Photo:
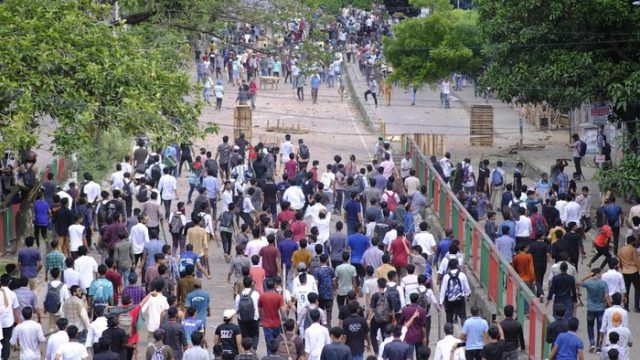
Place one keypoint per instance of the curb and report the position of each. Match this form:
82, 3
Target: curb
367, 117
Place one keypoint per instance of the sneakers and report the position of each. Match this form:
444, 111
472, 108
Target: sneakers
592, 349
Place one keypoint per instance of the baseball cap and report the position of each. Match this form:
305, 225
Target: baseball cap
616, 319
302, 266
133, 278
228, 314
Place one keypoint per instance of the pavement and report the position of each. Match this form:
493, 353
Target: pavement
428, 116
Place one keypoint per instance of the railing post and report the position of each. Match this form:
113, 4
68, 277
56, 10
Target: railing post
500, 293
455, 218
436, 197
485, 277
475, 250
447, 212
442, 204
509, 289
521, 302
533, 315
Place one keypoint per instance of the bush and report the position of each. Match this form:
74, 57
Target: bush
110, 148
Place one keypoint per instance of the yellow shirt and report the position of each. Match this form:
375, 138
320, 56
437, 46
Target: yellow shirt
301, 255
197, 236
383, 271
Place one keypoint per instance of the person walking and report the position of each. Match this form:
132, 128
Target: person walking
454, 291
563, 288
474, 331
218, 91
373, 86
630, 267
597, 301
299, 83
315, 85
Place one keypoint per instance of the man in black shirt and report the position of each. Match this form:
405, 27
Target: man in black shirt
551, 214
539, 250
574, 241
559, 326
357, 331
563, 287
336, 350
376, 321
494, 350
513, 335
270, 195
228, 334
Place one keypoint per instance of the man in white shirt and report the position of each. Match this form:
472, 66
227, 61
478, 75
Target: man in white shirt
447, 166
28, 335
406, 165
425, 240
153, 309
614, 279
249, 327
87, 267
572, 211
138, 237
523, 228
445, 346
70, 275
584, 199
316, 337
412, 183
91, 189
126, 165
57, 339
117, 178
73, 350
167, 188
10, 314
286, 148
63, 291
256, 244
294, 196
607, 317
453, 295
97, 327
561, 203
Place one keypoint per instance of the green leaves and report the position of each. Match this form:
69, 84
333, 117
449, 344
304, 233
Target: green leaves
424, 50
63, 63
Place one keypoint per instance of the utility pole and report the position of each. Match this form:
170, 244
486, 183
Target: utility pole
521, 131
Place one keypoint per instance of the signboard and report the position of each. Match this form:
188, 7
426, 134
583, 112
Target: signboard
599, 159
599, 113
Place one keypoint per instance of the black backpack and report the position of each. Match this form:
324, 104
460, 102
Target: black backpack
582, 150
52, 300
143, 194
156, 172
394, 297
246, 308
29, 177
304, 151
226, 219
423, 301
176, 226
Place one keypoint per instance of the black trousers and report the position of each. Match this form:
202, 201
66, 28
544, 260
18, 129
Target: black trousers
602, 251
250, 329
539, 270
6, 345
628, 280
375, 98
327, 306
453, 308
373, 333
226, 241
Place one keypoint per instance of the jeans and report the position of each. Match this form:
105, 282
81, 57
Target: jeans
218, 103
340, 199
300, 93
226, 241
341, 299
38, 230
177, 240
569, 306
576, 162
351, 228
616, 238
251, 329
635, 280
327, 306
375, 326
446, 101
357, 356
270, 334
192, 187
167, 208
375, 98
124, 272
314, 95
593, 318
473, 354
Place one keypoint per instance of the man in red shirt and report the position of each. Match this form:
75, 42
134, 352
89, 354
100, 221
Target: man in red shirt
114, 276
286, 215
400, 250
270, 306
291, 166
257, 274
270, 257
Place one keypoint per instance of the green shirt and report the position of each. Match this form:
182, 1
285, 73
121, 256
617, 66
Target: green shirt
55, 259
596, 291
345, 274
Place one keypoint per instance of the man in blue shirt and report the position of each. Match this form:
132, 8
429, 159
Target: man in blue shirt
358, 243
151, 248
287, 247
615, 217
506, 244
443, 245
568, 345
29, 261
315, 85
211, 184
191, 324
474, 331
353, 213
325, 276
509, 223
199, 299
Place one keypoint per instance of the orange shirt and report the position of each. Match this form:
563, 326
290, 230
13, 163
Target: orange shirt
523, 265
603, 236
257, 275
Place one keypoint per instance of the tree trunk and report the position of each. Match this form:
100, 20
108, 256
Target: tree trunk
24, 223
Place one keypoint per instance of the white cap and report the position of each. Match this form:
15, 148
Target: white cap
228, 314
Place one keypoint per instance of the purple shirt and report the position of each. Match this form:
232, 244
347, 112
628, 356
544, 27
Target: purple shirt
137, 293
41, 213
414, 333
28, 259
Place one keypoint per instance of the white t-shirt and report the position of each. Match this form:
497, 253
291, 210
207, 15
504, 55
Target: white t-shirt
86, 266
6, 318
327, 179
153, 309
117, 180
71, 277
73, 351
167, 187
301, 294
286, 148
138, 237
76, 233
92, 190
426, 241
56, 341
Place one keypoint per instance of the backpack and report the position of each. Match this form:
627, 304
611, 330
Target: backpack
29, 177
156, 172
496, 178
100, 296
582, 149
392, 203
304, 151
307, 318
176, 226
112, 210
127, 189
423, 301
103, 213
466, 173
246, 308
157, 352
211, 166
52, 300
226, 219
125, 321
394, 296
382, 311
454, 286
314, 264
540, 228
143, 194
287, 347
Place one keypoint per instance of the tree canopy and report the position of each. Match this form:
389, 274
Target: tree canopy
64, 61
424, 50
563, 52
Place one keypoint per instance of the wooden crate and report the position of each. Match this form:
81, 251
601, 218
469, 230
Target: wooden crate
481, 125
242, 121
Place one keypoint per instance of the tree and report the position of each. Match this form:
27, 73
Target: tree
424, 50
567, 53
65, 62
563, 52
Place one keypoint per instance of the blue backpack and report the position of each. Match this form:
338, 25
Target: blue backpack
496, 178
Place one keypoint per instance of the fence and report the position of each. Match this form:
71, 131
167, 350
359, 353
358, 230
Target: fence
483, 261
8, 215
